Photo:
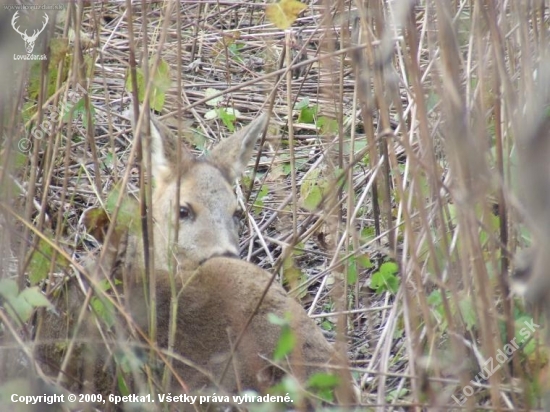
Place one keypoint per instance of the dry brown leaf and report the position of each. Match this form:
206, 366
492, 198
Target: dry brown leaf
284, 13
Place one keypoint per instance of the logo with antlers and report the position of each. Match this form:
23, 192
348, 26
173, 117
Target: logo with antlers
29, 40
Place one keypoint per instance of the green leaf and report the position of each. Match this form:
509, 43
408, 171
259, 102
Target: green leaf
313, 198
385, 280
311, 192
21, 307
524, 335
435, 298
161, 83
122, 387
17, 306
78, 108
162, 77
102, 307
128, 214
396, 394
104, 310
357, 262
307, 114
326, 125
286, 167
228, 116
214, 101
389, 268
327, 325
34, 297
364, 261
140, 81
211, 114
303, 103
323, 384
287, 339
323, 380
285, 344
8, 288
39, 265
368, 234
352, 271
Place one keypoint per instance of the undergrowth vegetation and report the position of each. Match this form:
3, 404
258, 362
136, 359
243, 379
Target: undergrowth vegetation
385, 193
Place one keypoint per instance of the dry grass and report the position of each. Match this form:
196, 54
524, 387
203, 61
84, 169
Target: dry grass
422, 105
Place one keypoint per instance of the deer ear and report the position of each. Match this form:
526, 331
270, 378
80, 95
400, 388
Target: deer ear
163, 150
232, 154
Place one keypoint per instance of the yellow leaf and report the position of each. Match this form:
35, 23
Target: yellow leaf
284, 13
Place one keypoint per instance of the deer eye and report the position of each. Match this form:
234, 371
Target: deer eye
186, 213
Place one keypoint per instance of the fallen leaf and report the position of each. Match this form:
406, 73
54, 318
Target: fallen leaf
284, 13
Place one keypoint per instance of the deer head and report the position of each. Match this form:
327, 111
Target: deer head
208, 208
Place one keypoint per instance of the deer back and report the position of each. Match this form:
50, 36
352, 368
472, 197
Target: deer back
214, 304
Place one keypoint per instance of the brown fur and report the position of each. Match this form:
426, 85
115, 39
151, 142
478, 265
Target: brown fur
215, 301
214, 295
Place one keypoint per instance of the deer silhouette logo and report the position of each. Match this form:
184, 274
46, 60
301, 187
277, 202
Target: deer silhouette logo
29, 40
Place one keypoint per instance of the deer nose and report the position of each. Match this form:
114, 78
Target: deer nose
230, 255
227, 254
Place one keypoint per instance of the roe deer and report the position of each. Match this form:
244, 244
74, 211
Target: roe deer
203, 305
208, 209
